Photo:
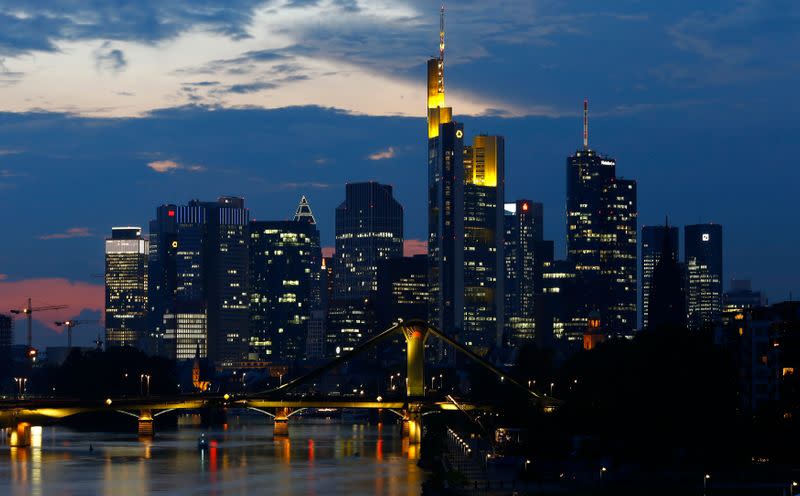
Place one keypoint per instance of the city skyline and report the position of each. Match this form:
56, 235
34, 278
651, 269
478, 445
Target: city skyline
76, 230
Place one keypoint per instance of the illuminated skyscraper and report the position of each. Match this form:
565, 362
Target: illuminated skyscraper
523, 232
402, 290
601, 238
369, 228
198, 266
126, 286
284, 284
653, 238
484, 177
445, 203
703, 254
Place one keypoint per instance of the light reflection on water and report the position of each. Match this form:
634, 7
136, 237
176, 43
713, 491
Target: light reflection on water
317, 459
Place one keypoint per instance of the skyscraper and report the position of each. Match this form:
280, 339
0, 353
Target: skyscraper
369, 228
402, 290
284, 284
653, 238
445, 203
523, 231
601, 238
126, 286
484, 177
703, 253
199, 269
667, 295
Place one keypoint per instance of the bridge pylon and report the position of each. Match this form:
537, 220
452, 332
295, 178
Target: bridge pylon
146, 423
416, 335
20, 435
280, 423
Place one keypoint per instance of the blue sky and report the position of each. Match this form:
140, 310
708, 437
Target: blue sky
107, 112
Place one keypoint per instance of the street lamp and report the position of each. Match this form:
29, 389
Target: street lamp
603, 470
21, 385
144, 380
551, 388
792, 488
705, 482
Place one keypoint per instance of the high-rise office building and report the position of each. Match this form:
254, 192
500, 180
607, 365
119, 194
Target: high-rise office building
126, 286
602, 238
740, 296
369, 229
445, 203
653, 238
703, 255
523, 231
284, 284
199, 266
667, 294
484, 178
402, 290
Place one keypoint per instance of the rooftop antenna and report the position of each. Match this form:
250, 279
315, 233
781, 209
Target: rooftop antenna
585, 123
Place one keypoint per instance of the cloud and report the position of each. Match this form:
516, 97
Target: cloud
77, 295
30, 26
250, 87
165, 166
72, 232
3, 277
413, 247
107, 58
382, 155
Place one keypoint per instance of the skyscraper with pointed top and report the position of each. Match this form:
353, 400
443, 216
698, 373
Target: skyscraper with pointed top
445, 203
601, 237
285, 260
653, 238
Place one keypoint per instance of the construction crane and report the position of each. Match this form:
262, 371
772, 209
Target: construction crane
28, 311
69, 324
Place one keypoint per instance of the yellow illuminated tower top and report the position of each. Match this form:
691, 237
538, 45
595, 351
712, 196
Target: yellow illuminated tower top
437, 112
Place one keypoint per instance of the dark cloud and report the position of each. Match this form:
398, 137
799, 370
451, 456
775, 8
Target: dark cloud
250, 87
40, 24
108, 58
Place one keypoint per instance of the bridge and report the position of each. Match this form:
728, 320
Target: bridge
281, 403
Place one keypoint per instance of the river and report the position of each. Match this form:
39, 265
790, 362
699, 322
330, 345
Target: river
319, 458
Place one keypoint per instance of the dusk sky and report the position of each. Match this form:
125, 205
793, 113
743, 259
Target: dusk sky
108, 112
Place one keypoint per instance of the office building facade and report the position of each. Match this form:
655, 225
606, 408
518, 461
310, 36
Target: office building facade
285, 258
653, 239
126, 286
523, 231
703, 256
602, 238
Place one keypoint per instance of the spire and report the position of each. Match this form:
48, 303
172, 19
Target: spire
441, 50
585, 123
303, 212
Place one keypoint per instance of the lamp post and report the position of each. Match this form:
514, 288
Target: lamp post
706, 477
21, 385
603, 470
792, 487
144, 384
551, 388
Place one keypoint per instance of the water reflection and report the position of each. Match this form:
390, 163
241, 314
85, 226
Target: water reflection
317, 459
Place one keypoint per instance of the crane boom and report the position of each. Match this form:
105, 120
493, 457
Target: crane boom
69, 324
28, 311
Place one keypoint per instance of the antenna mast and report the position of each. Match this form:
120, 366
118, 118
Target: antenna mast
585, 123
